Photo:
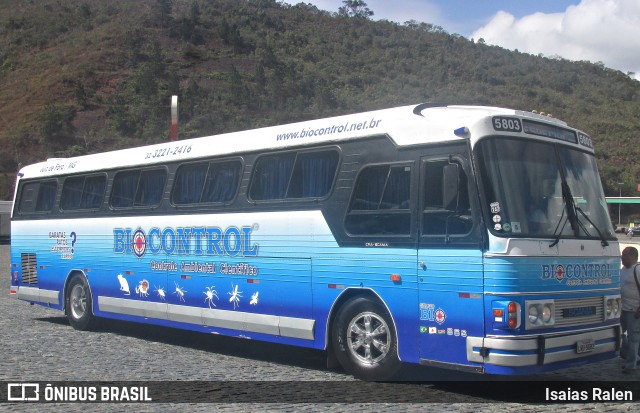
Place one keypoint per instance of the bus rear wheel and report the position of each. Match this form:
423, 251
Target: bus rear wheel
364, 340
78, 304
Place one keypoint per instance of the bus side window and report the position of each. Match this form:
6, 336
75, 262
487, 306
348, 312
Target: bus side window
207, 182
291, 176
271, 177
222, 181
27, 196
124, 189
138, 188
151, 187
381, 202
313, 174
46, 196
442, 216
83, 192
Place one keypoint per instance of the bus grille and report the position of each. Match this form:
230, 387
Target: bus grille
29, 269
577, 311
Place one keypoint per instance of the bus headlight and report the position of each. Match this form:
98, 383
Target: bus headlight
533, 314
546, 313
540, 314
612, 307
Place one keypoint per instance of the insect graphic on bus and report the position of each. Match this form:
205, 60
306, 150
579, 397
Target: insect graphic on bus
180, 292
235, 296
210, 293
254, 298
161, 293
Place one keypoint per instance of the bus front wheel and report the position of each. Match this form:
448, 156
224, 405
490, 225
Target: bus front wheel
78, 304
364, 340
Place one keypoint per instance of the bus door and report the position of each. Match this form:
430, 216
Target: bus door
449, 260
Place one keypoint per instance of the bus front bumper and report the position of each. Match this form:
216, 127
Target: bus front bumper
541, 350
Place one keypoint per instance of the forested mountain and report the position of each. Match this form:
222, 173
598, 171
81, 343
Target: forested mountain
82, 76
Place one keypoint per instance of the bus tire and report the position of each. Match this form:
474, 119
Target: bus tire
78, 304
364, 340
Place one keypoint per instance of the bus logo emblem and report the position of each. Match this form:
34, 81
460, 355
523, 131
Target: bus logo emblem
139, 243
559, 273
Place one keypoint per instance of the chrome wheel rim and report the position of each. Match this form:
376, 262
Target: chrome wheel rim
368, 337
78, 302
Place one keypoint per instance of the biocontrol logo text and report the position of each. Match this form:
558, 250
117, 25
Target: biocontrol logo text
330, 130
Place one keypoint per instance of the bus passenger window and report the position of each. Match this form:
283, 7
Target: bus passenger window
294, 175
83, 192
150, 187
188, 183
206, 182
313, 174
42, 193
124, 189
222, 181
381, 202
46, 196
26, 197
138, 188
271, 177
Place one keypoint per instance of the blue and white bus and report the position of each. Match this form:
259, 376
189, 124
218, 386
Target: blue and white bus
470, 238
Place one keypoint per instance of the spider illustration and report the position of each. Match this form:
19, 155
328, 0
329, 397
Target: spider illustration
210, 293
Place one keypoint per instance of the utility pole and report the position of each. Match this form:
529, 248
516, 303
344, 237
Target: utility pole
174, 117
619, 203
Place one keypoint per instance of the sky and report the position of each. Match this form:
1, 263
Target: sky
606, 31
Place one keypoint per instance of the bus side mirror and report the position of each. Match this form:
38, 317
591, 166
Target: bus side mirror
450, 183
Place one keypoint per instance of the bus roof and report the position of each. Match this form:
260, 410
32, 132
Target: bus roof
407, 125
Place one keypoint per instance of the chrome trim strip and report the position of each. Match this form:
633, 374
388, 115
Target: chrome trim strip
233, 320
38, 295
519, 360
547, 293
548, 335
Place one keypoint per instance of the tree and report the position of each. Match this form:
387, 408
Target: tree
355, 8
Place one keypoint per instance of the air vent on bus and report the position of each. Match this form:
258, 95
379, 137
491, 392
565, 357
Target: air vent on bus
29, 269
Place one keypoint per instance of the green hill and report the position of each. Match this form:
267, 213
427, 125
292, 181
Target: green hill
81, 76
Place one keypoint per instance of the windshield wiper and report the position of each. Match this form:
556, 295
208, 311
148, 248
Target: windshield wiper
570, 207
556, 233
603, 241
573, 218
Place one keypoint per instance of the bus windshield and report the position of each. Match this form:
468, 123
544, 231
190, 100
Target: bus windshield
542, 190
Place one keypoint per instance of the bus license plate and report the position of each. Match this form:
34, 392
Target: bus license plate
585, 346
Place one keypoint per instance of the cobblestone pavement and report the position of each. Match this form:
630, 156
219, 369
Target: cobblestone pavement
38, 345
